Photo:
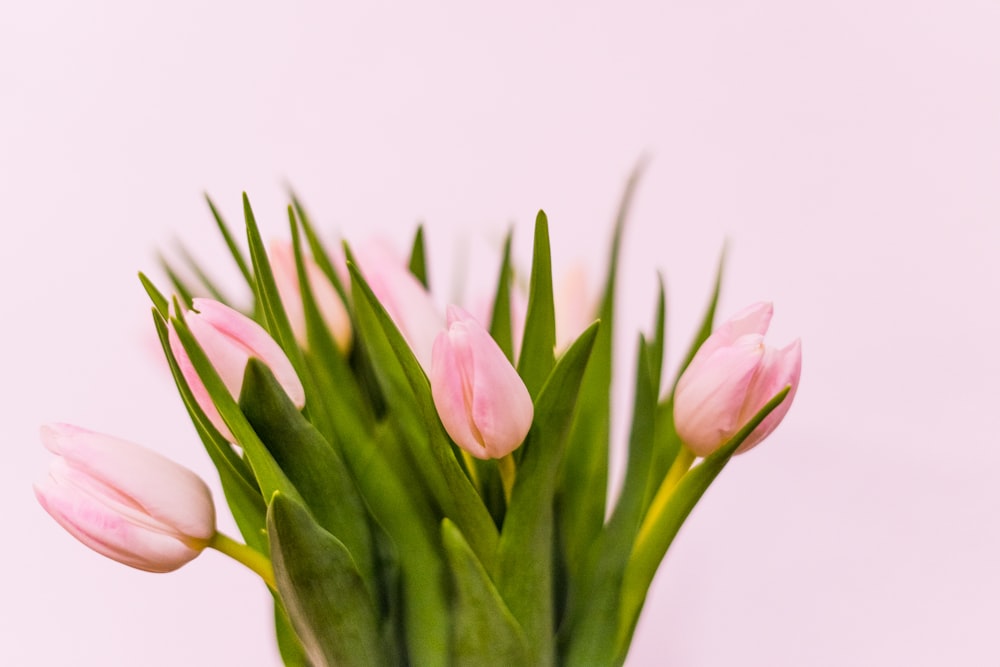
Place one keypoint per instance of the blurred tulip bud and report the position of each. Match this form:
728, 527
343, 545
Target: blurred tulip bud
482, 401
731, 377
331, 307
230, 339
408, 303
124, 501
574, 305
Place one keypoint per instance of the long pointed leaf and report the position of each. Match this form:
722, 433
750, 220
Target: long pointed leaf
583, 492
666, 515
433, 453
538, 345
524, 574
485, 631
326, 599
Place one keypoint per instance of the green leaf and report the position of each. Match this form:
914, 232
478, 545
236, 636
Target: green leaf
326, 599
311, 464
159, 301
418, 258
319, 253
538, 345
501, 325
206, 281
656, 346
227, 236
524, 573
343, 416
292, 653
433, 452
707, 320
666, 515
266, 290
399, 505
584, 480
587, 636
182, 289
485, 631
668, 444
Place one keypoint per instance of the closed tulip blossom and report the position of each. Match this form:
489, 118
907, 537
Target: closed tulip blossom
731, 377
230, 339
480, 398
124, 501
408, 303
328, 301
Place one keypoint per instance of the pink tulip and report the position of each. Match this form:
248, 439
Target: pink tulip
480, 398
230, 339
574, 304
124, 501
331, 307
408, 303
731, 377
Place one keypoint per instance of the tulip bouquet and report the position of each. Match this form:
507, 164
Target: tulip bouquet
419, 489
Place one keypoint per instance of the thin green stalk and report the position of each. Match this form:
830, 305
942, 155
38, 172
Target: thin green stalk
508, 473
251, 558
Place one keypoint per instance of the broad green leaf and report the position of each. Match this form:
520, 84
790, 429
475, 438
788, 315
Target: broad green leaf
485, 632
326, 599
399, 505
666, 515
538, 345
584, 480
227, 236
433, 453
418, 258
311, 464
587, 637
524, 572
292, 653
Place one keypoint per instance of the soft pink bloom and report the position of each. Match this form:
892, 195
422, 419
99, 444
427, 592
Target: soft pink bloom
230, 339
125, 501
331, 307
408, 303
731, 377
575, 305
480, 398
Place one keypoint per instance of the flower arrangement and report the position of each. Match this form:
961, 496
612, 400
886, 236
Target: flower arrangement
419, 489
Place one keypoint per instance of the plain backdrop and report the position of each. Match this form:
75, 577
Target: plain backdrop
848, 151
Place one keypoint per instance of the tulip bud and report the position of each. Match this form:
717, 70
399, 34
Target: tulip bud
731, 377
331, 307
480, 398
229, 340
575, 308
408, 303
124, 501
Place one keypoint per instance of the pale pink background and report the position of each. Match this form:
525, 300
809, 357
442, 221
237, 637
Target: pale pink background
849, 151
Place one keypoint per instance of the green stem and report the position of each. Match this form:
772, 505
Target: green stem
249, 557
682, 463
508, 473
